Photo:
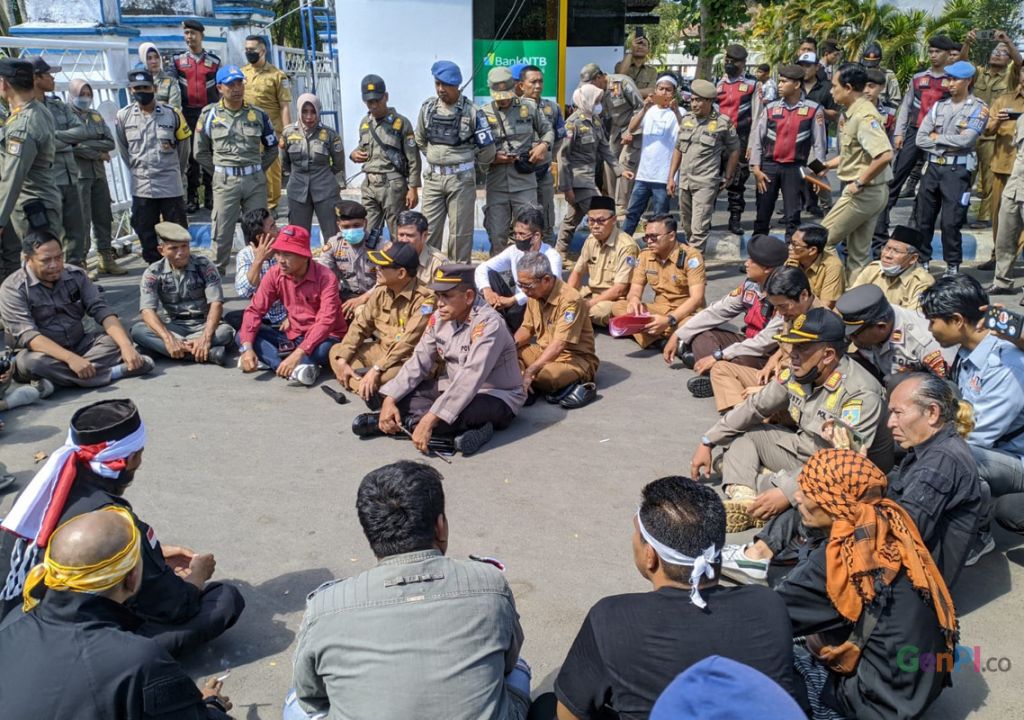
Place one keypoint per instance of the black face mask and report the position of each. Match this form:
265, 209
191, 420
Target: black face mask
733, 69
809, 378
253, 56
524, 245
143, 98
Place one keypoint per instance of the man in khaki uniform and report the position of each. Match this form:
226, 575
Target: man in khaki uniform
478, 388
413, 229
824, 271
605, 266
389, 156
453, 135
383, 336
1001, 126
706, 138
236, 143
620, 102
863, 164
269, 89
520, 131
634, 65
556, 339
675, 271
1011, 210
898, 273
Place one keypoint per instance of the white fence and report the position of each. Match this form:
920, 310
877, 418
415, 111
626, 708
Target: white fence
314, 73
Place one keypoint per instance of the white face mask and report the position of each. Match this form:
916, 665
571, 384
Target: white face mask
598, 108
891, 270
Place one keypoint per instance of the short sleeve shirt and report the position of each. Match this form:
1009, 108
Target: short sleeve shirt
671, 278
184, 295
863, 139
607, 263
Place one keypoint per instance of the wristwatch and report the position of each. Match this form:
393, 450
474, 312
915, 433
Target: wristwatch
717, 354
377, 368
859, 184
707, 443
672, 321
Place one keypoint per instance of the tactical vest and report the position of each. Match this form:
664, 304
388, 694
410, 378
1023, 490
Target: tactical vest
789, 134
759, 311
927, 90
446, 129
736, 101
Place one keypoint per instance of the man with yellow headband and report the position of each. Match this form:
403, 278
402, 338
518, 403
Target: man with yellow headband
76, 615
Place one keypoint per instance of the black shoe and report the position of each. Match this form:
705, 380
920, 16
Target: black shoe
989, 264
816, 212
994, 289
216, 355
338, 397
582, 394
531, 398
192, 207
367, 425
684, 353
472, 440
700, 387
376, 402
557, 396
734, 224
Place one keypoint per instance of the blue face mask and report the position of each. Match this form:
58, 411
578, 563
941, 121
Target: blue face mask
353, 236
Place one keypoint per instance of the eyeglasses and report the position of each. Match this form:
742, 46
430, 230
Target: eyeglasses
530, 286
798, 246
654, 237
599, 220
894, 251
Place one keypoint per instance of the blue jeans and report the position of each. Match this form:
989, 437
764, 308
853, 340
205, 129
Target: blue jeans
268, 339
644, 191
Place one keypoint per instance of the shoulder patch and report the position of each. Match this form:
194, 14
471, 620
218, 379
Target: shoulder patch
935, 362
570, 313
693, 263
784, 376
736, 292
631, 261
833, 381
896, 338
432, 321
850, 414
477, 333
427, 308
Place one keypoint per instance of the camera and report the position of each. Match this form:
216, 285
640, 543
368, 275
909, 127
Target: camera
6, 360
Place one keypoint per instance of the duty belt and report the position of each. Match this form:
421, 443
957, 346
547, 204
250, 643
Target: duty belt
950, 160
376, 176
451, 169
238, 171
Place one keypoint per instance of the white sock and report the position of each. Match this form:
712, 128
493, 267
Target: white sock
117, 372
19, 395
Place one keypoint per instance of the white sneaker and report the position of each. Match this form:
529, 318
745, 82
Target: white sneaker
305, 374
734, 558
982, 546
44, 386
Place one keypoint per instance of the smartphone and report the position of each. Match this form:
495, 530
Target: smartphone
1013, 114
285, 347
639, 32
816, 165
1004, 322
985, 34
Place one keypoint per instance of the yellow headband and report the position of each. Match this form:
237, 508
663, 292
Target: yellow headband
94, 578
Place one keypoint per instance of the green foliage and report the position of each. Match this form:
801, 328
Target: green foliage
713, 25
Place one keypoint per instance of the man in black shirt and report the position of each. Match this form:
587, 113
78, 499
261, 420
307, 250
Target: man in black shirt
632, 646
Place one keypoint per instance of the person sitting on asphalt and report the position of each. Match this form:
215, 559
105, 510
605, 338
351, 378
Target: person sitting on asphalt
179, 608
42, 306
445, 631
412, 228
631, 646
187, 289
80, 633
462, 382
309, 294
825, 272
556, 340
346, 255
509, 299
384, 335
899, 271
605, 266
674, 271
874, 587
259, 230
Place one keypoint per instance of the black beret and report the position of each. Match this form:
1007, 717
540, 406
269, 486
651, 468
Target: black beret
942, 42
767, 250
349, 210
791, 72
191, 24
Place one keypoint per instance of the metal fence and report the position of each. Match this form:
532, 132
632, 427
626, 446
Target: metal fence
317, 73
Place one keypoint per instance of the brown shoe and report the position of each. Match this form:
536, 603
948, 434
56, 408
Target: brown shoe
108, 264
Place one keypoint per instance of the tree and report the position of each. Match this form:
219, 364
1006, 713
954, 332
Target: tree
701, 28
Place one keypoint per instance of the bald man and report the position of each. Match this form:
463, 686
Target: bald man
75, 619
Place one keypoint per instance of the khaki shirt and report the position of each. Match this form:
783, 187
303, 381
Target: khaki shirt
671, 278
315, 161
351, 265
181, 295
516, 130
850, 396
862, 139
990, 84
394, 321
643, 74
155, 148
892, 94
620, 103
234, 138
826, 277
26, 167
607, 263
903, 290
704, 145
70, 130
910, 347
268, 89
88, 153
584, 144
1014, 189
563, 316
430, 261
167, 90
395, 131
478, 355
1004, 150
475, 140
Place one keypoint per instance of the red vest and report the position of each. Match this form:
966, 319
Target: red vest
927, 90
198, 79
789, 132
735, 100
754, 320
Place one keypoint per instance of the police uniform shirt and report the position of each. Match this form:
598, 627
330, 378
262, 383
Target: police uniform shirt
958, 125
826, 276
181, 295
350, 264
478, 356
516, 130
269, 89
862, 139
88, 153
26, 171
584, 144
153, 146
607, 263
396, 132
315, 161
235, 138
473, 130
671, 278
903, 290
620, 102
704, 145
910, 347
562, 315
29, 308
991, 379
395, 321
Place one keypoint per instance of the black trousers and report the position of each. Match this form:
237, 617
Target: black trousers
944, 189
736, 188
10, 251
785, 178
481, 410
907, 157
147, 212
220, 607
196, 176
513, 315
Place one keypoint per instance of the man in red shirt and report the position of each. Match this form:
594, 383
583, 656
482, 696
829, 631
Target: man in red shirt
309, 293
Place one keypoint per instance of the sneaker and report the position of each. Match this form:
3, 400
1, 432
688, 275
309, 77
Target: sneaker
472, 440
951, 270
739, 492
700, 386
44, 386
982, 546
737, 516
305, 374
734, 558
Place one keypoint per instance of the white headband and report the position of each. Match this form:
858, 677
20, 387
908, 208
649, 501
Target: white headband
668, 78
702, 564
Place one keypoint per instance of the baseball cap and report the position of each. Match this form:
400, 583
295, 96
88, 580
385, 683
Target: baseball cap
372, 87
402, 255
229, 74
817, 325
807, 57
40, 66
293, 239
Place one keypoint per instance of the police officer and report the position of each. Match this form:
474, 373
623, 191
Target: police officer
889, 340
605, 267
736, 94
899, 273
454, 135
789, 132
168, 91
269, 89
948, 136
235, 143
531, 85
450, 412
707, 151
621, 101
871, 58
26, 175
196, 69
91, 157
69, 131
315, 161
181, 302
390, 159
347, 256
154, 142
522, 139
874, 89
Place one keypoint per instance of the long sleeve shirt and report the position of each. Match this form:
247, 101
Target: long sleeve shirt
991, 379
508, 261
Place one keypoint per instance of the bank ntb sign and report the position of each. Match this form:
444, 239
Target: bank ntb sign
489, 54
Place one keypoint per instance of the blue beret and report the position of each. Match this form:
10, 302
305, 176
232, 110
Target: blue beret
447, 72
961, 70
228, 74
517, 70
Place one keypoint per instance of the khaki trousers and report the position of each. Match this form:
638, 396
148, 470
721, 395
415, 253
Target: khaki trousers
852, 219
986, 211
274, 184
1011, 226
232, 196
451, 198
695, 209
367, 355
555, 375
729, 380
767, 446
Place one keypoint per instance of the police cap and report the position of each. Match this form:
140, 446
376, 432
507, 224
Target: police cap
767, 251
704, 89
862, 306
398, 255
817, 325
872, 55
372, 87
501, 83
452, 276
590, 71
137, 78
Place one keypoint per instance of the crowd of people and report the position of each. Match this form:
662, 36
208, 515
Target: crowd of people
871, 416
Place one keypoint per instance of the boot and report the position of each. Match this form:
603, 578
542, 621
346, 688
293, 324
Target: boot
107, 263
366, 425
734, 223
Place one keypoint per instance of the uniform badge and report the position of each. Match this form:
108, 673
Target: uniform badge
831, 400
547, 110
975, 383
736, 292
749, 297
799, 322
397, 124
96, 117
850, 414
524, 112
570, 313
207, 62
936, 362
364, 126
713, 125
14, 147
926, 82
251, 117
833, 381
794, 413
432, 321
896, 338
802, 111
426, 308
689, 123
784, 376
875, 125
778, 112
945, 82
693, 263
323, 135
477, 333
744, 87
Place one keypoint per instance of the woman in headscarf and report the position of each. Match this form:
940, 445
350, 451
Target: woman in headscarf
92, 156
314, 159
585, 143
870, 599
167, 90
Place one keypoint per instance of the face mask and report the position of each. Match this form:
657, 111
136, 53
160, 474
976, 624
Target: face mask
143, 98
82, 103
809, 378
353, 236
253, 56
732, 70
524, 245
598, 108
891, 270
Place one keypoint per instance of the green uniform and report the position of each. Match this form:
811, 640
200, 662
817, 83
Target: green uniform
315, 162
26, 172
70, 131
585, 143
92, 180
384, 190
621, 102
167, 90
546, 180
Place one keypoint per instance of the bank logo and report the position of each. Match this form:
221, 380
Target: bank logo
492, 59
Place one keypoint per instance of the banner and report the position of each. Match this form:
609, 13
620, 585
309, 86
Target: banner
489, 54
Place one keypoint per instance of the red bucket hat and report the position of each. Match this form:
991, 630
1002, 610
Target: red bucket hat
293, 239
